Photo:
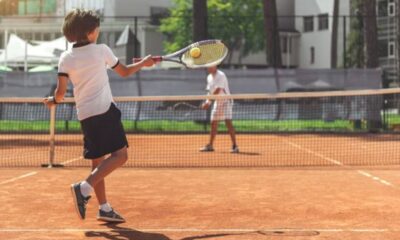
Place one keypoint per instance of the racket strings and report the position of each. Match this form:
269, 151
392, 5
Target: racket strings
210, 53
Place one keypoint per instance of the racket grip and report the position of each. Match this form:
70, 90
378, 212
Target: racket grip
155, 59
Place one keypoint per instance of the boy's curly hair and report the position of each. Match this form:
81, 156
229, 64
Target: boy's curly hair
78, 24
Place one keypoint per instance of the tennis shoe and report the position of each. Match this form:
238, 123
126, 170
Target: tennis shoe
235, 149
80, 201
207, 148
111, 216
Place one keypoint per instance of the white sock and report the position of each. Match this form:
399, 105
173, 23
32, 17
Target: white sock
86, 189
106, 207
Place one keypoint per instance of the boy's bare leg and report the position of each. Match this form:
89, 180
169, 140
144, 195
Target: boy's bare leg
108, 165
231, 131
213, 133
99, 188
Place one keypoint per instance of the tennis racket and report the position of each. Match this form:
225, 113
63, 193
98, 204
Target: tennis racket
212, 53
184, 106
185, 111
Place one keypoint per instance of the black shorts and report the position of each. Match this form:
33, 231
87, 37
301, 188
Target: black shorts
103, 134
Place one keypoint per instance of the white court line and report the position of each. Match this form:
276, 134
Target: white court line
17, 178
218, 230
375, 178
334, 161
72, 160
314, 153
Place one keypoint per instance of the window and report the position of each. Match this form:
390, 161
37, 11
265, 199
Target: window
158, 13
383, 48
46, 37
323, 21
383, 8
308, 23
391, 49
312, 55
37, 36
8, 8
391, 8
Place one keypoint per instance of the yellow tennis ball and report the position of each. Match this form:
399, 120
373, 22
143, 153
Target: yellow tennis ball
195, 52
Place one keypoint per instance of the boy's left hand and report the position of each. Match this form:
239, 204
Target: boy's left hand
49, 102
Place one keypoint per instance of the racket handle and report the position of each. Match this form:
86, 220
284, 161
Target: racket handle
155, 59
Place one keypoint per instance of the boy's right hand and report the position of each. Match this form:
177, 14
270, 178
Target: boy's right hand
148, 61
205, 105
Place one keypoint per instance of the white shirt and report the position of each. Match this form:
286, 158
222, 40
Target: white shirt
218, 80
86, 67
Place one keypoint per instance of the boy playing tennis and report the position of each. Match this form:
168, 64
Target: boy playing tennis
86, 66
217, 84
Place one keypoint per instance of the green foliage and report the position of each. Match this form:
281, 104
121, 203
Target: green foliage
178, 27
159, 126
238, 23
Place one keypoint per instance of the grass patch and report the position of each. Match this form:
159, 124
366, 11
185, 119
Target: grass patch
190, 126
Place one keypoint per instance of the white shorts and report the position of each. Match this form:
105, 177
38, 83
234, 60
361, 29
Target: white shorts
222, 110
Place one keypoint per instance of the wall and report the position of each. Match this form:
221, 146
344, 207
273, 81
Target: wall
319, 39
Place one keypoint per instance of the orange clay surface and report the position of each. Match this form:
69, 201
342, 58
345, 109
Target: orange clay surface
279, 187
207, 203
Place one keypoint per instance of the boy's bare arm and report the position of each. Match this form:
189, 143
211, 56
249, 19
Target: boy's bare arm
125, 71
61, 88
62, 84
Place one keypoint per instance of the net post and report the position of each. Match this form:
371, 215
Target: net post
52, 141
52, 135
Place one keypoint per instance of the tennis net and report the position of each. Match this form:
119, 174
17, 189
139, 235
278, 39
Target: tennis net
333, 128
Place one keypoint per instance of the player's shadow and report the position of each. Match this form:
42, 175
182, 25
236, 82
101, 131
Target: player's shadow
249, 153
123, 233
210, 236
241, 153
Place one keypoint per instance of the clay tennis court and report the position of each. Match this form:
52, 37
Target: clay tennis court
284, 199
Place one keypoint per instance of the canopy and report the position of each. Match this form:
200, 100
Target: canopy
18, 51
42, 68
5, 69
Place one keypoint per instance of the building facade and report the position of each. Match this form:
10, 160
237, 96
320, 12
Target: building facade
388, 39
315, 23
306, 28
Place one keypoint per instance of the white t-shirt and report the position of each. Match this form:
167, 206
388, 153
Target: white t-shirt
218, 80
86, 67
222, 109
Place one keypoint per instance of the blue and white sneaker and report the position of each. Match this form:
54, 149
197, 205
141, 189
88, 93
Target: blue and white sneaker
111, 216
80, 201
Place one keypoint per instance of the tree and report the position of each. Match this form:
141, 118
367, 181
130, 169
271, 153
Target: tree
355, 56
178, 26
272, 33
371, 34
237, 23
199, 20
273, 43
372, 61
334, 48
